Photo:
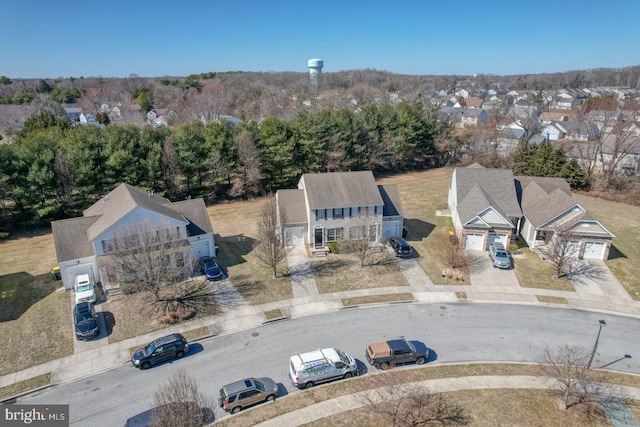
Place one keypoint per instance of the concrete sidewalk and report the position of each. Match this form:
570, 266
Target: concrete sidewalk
349, 402
237, 315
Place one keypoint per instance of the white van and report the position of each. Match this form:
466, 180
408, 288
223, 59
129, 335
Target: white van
309, 369
85, 291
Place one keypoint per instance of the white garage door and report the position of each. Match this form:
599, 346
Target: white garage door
594, 250
76, 270
497, 237
200, 249
295, 236
474, 241
390, 229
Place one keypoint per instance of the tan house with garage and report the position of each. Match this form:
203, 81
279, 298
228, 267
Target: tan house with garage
549, 208
484, 206
327, 207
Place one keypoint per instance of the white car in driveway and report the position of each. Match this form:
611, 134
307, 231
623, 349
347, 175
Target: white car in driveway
85, 290
499, 256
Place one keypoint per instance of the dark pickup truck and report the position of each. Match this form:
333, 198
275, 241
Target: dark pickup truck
386, 354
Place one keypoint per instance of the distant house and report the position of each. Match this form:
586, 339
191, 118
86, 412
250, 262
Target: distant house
327, 207
473, 102
484, 206
549, 208
578, 131
83, 244
565, 103
524, 109
73, 113
473, 117
509, 138
547, 117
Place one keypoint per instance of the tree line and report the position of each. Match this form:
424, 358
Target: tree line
55, 170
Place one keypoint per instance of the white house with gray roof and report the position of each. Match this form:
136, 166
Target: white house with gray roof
484, 206
327, 207
81, 243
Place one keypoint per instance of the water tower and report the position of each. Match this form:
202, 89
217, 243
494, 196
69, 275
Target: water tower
315, 69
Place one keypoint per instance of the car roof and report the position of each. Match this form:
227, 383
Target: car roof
168, 339
498, 245
83, 307
238, 386
396, 345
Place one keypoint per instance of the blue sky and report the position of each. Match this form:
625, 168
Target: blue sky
48, 39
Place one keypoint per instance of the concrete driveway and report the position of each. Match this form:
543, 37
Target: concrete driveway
483, 274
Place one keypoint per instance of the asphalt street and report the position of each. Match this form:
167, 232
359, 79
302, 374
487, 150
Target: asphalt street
459, 332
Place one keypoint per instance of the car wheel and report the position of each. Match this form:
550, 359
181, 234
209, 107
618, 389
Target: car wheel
348, 375
271, 398
420, 360
309, 384
384, 366
179, 354
236, 409
145, 365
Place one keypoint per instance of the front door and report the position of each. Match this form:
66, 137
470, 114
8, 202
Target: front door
319, 243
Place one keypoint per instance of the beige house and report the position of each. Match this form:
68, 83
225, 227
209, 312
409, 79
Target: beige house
327, 207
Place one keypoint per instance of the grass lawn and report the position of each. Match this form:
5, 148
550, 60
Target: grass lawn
343, 272
422, 194
492, 407
532, 272
26, 385
235, 228
552, 300
549, 401
376, 299
624, 222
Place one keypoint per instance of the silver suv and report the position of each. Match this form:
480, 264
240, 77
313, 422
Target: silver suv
247, 392
499, 255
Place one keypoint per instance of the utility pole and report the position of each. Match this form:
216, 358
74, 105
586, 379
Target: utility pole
595, 345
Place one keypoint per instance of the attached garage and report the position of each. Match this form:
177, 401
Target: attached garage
200, 248
294, 236
594, 250
391, 229
474, 241
70, 272
498, 237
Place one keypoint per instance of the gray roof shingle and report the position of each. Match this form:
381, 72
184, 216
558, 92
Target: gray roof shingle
341, 189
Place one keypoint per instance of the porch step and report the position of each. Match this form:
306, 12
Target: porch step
114, 293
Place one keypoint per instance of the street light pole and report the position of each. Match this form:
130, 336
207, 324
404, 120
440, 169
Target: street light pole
595, 345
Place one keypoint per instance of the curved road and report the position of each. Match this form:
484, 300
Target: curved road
460, 332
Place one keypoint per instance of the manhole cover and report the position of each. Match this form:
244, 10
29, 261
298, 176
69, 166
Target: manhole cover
255, 334
442, 307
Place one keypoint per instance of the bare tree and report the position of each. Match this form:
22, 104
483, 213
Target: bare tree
181, 403
397, 403
567, 366
450, 254
561, 248
205, 105
271, 248
361, 237
147, 256
249, 165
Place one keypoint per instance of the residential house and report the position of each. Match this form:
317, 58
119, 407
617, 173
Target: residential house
577, 130
553, 132
524, 109
327, 207
473, 117
73, 113
484, 206
509, 138
473, 102
549, 208
563, 103
83, 245
547, 117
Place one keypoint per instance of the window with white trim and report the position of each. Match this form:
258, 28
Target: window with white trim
320, 214
356, 232
334, 234
337, 213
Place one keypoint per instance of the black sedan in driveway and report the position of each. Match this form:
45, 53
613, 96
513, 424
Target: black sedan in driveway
210, 268
85, 321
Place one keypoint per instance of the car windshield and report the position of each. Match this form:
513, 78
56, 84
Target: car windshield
84, 288
259, 384
210, 265
343, 356
149, 349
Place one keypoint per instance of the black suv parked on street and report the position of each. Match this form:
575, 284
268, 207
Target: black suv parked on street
165, 348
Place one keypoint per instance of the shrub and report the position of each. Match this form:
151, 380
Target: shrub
333, 247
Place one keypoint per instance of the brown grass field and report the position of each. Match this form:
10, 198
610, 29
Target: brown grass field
28, 301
